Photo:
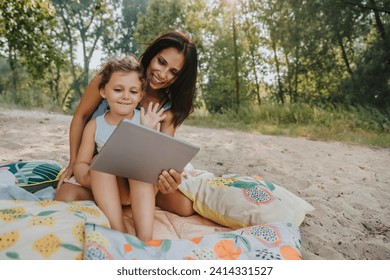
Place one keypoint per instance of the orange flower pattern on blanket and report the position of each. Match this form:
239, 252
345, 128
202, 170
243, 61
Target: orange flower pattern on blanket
273, 242
127, 248
226, 250
289, 253
196, 240
154, 243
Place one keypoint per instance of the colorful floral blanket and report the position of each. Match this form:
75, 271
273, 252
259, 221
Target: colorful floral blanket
238, 217
31, 230
262, 242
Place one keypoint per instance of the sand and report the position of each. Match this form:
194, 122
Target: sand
349, 185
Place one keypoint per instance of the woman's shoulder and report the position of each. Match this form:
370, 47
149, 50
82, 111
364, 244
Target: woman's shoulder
168, 120
169, 115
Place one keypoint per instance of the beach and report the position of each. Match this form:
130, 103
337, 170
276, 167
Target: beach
348, 185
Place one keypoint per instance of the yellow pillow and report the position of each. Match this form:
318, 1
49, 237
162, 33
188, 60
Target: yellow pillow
242, 201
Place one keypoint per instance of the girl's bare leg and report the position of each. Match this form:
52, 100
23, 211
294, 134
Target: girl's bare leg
106, 193
142, 206
69, 192
176, 203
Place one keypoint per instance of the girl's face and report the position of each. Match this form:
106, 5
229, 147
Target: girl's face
123, 92
164, 68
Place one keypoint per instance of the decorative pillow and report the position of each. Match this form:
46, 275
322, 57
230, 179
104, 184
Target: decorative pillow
272, 242
35, 175
242, 201
47, 229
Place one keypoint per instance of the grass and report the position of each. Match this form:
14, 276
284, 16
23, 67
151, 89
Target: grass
357, 125
364, 126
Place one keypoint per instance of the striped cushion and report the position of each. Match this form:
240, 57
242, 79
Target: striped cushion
35, 175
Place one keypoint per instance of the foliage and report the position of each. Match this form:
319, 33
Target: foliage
85, 23
24, 34
304, 56
160, 16
123, 41
361, 125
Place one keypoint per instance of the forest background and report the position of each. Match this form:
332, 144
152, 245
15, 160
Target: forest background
318, 69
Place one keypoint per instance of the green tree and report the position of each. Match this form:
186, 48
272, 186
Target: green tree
84, 24
369, 83
24, 38
121, 39
160, 16
223, 73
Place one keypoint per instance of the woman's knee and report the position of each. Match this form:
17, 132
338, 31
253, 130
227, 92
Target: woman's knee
185, 209
70, 192
176, 203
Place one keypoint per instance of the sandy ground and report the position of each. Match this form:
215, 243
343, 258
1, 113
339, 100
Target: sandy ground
349, 185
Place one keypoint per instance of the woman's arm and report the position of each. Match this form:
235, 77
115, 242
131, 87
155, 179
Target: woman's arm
167, 126
88, 103
169, 180
85, 155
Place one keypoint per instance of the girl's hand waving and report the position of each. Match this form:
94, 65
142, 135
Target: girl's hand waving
152, 116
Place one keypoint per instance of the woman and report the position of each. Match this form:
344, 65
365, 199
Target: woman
170, 63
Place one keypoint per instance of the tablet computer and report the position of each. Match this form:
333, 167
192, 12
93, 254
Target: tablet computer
137, 152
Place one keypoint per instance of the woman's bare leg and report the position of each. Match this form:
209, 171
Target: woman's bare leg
69, 192
124, 191
106, 193
176, 203
142, 206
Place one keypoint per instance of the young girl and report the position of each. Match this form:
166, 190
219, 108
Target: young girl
122, 85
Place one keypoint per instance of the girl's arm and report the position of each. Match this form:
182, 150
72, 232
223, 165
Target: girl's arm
88, 103
85, 155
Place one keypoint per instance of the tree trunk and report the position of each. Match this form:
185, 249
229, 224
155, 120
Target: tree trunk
280, 86
381, 30
296, 67
13, 65
344, 54
255, 73
236, 64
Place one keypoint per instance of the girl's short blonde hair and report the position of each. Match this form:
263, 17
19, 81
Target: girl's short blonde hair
126, 64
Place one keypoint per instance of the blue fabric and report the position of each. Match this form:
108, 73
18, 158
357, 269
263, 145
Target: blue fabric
101, 109
104, 129
13, 192
10, 191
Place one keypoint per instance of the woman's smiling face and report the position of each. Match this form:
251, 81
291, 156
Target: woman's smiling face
164, 68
